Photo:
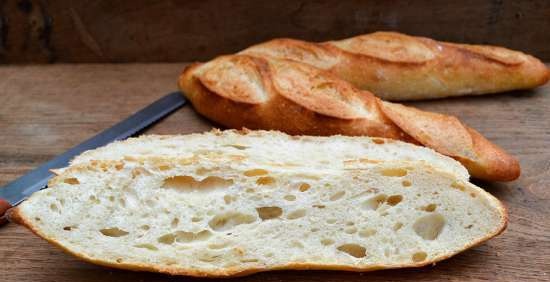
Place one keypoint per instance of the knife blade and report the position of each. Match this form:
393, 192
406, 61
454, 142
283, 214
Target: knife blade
21, 188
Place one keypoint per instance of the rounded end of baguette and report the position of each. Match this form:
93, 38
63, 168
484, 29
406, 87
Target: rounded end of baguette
493, 163
483, 159
543, 73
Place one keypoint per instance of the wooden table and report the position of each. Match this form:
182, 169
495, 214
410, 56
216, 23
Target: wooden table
45, 110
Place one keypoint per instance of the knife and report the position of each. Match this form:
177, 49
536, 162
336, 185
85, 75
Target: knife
20, 189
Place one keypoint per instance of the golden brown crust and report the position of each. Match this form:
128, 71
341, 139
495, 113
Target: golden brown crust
15, 215
447, 135
297, 99
300, 99
396, 66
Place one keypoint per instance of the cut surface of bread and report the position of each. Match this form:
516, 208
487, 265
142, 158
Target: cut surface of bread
206, 217
144, 217
273, 148
278, 94
397, 66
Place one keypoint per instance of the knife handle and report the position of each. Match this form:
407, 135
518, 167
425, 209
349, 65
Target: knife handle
4, 207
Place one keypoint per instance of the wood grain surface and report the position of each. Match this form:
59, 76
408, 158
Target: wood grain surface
39, 31
45, 110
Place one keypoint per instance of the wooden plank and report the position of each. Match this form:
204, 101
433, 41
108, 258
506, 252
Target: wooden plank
173, 31
44, 110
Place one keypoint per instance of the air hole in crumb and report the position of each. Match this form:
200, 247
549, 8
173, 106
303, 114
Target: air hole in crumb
266, 213
469, 226
147, 246
249, 190
296, 214
167, 239
296, 244
394, 200
119, 260
186, 237
203, 170
248, 260
71, 181
188, 182
255, 172
145, 227
319, 206
337, 195
327, 242
211, 182
304, 187
314, 229
367, 232
119, 166
217, 246
113, 232
53, 207
473, 195
94, 200
350, 230
196, 219
429, 208
265, 180
458, 185
331, 220
290, 197
150, 203
397, 226
307, 176
406, 183
419, 256
394, 172
227, 199
353, 250
378, 141
429, 226
375, 202
164, 167
229, 220
350, 223
238, 147
67, 228
175, 222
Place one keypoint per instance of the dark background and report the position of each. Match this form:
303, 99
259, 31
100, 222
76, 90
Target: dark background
40, 31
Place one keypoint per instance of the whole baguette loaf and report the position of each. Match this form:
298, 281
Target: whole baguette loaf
396, 66
266, 93
199, 214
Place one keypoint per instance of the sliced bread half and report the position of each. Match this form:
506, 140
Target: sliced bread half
200, 216
273, 148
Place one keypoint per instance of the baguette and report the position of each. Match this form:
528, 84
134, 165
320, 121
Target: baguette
266, 93
202, 215
397, 67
